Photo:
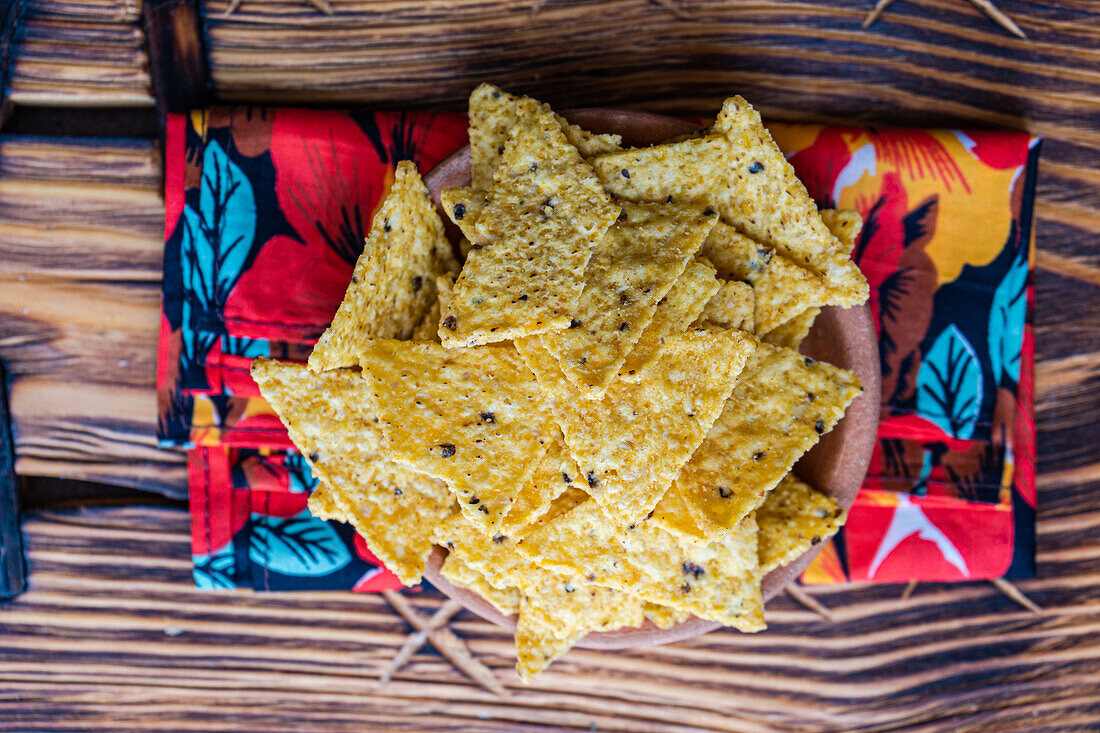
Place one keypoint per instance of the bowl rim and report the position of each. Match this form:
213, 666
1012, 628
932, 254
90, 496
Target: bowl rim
853, 327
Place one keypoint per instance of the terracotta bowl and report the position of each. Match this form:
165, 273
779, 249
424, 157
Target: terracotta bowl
837, 465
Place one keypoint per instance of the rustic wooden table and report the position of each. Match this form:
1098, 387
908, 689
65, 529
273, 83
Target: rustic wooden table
112, 635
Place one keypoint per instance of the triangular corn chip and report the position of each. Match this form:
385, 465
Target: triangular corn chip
845, 224
459, 573
631, 441
731, 307
537, 646
474, 418
675, 313
781, 288
493, 114
780, 408
393, 284
672, 515
556, 472
715, 579
718, 580
664, 617
580, 604
545, 212
792, 333
581, 541
555, 610
463, 206
738, 169
428, 330
631, 270
330, 417
794, 518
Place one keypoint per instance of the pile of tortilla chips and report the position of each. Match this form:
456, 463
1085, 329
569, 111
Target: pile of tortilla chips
597, 413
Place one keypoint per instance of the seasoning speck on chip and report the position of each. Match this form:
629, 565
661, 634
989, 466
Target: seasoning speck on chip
523, 250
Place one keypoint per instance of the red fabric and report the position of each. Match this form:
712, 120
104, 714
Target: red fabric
303, 186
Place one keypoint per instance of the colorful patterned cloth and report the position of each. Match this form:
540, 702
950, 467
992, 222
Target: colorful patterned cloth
947, 247
266, 210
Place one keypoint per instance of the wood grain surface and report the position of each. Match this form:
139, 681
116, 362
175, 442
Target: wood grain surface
81, 227
111, 636
82, 53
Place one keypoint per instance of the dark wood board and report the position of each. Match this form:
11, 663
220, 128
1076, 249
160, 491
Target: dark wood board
111, 635
81, 224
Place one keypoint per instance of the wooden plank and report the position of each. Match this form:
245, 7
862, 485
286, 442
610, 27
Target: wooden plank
952, 656
81, 228
181, 78
80, 54
103, 11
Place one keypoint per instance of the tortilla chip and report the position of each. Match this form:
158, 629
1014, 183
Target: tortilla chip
428, 328
493, 114
664, 617
631, 270
631, 441
392, 508
781, 288
589, 144
793, 518
718, 579
459, 573
731, 307
672, 515
581, 542
475, 419
675, 313
739, 170
792, 333
463, 206
544, 214
556, 609
845, 224
393, 285
330, 418
779, 409
555, 613
536, 645
499, 564
555, 473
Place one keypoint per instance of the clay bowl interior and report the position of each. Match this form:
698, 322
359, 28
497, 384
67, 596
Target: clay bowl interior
837, 465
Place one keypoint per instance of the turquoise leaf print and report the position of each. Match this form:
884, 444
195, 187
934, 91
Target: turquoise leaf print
300, 479
197, 341
1006, 322
227, 222
949, 384
239, 346
214, 572
300, 545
